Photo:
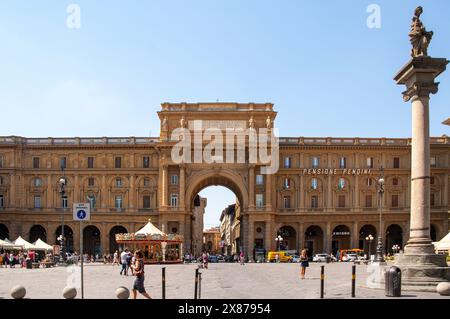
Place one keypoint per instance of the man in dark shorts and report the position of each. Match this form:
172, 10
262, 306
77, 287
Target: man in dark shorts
138, 271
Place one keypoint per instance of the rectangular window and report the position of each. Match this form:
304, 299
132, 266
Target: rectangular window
342, 162
396, 162
146, 182
287, 162
118, 182
174, 200
146, 161
314, 201
394, 201
146, 201
287, 202
315, 162
91, 181
368, 200
1, 201
1, 180
369, 181
341, 201
370, 162
314, 183
35, 162
259, 200
432, 180
1, 161
118, 162
433, 161
90, 161
64, 202
287, 183
37, 201
259, 180
63, 163
395, 181
432, 199
174, 179
118, 202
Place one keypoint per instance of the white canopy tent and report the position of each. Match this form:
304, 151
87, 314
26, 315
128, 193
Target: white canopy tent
149, 229
6, 244
42, 245
443, 244
26, 245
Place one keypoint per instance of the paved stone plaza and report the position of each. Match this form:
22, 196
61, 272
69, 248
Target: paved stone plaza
219, 281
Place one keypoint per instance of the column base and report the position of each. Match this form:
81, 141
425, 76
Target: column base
421, 270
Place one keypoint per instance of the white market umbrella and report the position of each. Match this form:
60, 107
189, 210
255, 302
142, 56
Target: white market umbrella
443, 244
26, 245
42, 245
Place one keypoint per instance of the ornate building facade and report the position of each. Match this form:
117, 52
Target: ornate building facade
324, 195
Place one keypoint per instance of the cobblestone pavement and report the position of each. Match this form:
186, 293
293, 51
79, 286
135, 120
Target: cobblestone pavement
221, 280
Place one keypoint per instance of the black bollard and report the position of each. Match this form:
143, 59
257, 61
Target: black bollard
199, 285
353, 280
163, 283
322, 280
196, 283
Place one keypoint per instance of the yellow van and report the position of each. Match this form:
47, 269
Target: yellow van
283, 257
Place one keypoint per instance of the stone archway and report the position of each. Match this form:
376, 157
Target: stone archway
36, 232
394, 236
368, 246
216, 177
91, 240
289, 236
341, 239
113, 245
314, 240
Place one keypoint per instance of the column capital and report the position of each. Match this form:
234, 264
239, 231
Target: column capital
419, 89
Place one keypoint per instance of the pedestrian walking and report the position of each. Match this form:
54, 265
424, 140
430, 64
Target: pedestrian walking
129, 257
116, 258
205, 260
138, 271
123, 262
303, 263
242, 258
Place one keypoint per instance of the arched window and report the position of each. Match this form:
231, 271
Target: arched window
37, 182
395, 181
118, 182
341, 183
287, 183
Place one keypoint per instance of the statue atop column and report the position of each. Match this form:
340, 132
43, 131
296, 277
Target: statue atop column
251, 122
164, 124
420, 38
182, 122
268, 123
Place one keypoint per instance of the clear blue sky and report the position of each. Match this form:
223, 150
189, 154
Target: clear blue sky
327, 73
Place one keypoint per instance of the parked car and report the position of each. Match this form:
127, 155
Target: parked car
350, 257
283, 257
322, 258
221, 259
295, 258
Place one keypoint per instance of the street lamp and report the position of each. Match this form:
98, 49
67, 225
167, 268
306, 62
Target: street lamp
380, 182
396, 248
370, 239
62, 185
278, 239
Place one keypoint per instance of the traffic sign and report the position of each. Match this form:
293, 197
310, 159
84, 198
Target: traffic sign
81, 211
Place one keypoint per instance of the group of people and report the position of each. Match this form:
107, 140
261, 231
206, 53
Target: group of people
13, 259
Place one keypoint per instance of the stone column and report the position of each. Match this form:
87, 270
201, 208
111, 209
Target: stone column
421, 265
328, 236
182, 186
49, 192
132, 196
165, 186
12, 191
445, 195
329, 193
302, 192
103, 193
268, 235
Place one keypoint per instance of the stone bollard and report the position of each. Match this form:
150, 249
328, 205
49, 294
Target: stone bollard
122, 293
443, 288
18, 292
69, 292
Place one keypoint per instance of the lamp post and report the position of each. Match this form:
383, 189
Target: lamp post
62, 185
380, 182
395, 249
370, 239
278, 239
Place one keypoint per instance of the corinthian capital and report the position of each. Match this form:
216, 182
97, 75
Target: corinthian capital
420, 90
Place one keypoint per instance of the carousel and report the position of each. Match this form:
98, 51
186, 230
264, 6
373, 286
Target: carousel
157, 246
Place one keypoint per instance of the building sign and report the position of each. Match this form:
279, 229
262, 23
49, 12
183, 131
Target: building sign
336, 171
341, 233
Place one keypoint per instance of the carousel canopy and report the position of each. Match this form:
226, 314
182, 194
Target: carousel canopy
41, 245
24, 243
443, 244
149, 229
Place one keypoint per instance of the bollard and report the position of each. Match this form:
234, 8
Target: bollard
196, 283
199, 285
69, 292
322, 280
122, 293
164, 283
18, 292
353, 280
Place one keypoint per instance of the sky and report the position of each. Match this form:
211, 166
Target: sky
325, 70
